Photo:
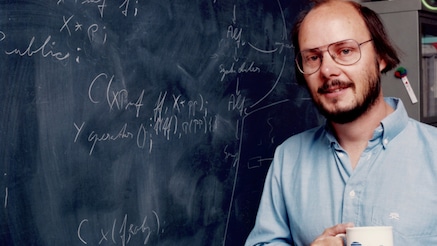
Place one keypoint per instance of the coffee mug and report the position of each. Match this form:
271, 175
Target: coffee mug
369, 236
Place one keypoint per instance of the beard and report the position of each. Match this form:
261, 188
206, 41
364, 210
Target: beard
343, 116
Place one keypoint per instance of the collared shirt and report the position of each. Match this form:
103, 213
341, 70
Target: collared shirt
311, 185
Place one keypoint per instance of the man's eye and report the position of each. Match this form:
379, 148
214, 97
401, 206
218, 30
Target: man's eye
345, 51
311, 58
314, 58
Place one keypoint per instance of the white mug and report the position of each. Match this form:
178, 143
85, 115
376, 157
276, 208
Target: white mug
369, 236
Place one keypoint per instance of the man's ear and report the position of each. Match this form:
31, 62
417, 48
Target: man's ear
382, 64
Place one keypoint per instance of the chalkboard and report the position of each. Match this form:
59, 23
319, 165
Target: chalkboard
146, 122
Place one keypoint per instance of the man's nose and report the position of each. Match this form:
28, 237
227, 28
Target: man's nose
329, 67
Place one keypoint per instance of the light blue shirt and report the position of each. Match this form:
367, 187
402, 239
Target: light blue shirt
311, 186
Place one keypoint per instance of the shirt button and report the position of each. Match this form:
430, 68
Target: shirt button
352, 194
369, 156
385, 141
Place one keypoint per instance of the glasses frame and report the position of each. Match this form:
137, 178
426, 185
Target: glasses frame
332, 56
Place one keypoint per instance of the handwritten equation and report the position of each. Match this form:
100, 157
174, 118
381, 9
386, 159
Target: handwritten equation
121, 232
180, 117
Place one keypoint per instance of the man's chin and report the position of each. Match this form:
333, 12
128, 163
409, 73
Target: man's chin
343, 116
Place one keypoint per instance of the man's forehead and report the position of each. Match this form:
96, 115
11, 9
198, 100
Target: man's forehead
330, 23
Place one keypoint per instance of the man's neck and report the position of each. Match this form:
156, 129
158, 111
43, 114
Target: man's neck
354, 136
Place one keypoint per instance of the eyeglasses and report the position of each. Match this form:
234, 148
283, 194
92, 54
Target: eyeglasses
346, 52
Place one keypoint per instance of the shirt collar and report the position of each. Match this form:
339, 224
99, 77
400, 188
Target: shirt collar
394, 123
390, 126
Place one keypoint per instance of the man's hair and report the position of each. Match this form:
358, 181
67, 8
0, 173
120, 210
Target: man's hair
383, 46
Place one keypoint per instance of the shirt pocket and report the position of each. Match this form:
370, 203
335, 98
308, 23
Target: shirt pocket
414, 222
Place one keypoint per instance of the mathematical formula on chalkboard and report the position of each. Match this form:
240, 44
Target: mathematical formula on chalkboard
143, 122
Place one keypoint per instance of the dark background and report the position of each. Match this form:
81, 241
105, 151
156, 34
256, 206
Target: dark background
147, 122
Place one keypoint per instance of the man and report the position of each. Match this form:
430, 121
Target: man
370, 164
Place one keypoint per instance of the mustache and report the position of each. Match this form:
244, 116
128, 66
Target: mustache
334, 84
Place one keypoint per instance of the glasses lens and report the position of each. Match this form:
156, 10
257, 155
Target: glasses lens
308, 61
345, 52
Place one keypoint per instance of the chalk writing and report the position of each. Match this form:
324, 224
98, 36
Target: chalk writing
172, 117
6, 195
123, 232
230, 155
234, 35
144, 138
125, 8
116, 99
95, 35
101, 5
168, 123
95, 137
242, 69
45, 49
65, 25
258, 161
237, 100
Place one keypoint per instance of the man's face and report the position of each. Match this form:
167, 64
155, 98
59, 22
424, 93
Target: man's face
341, 92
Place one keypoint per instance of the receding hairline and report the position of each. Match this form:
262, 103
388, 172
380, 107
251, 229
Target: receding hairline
352, 10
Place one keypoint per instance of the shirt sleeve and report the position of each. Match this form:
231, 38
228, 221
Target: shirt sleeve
271, 225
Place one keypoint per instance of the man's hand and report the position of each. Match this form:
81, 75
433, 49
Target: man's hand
328, 238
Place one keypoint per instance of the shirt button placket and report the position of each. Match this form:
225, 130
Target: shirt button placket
350, 204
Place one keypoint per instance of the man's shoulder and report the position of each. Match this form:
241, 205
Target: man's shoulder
421, 126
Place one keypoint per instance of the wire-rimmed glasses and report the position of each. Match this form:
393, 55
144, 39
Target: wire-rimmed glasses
345, 52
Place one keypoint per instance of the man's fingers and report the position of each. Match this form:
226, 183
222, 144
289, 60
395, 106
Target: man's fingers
337, 229
328, 237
